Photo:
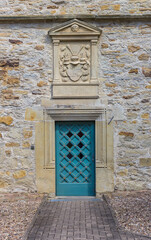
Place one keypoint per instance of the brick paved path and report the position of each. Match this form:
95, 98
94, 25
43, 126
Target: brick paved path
76, 220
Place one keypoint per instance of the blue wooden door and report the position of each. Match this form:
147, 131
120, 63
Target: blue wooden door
75, 166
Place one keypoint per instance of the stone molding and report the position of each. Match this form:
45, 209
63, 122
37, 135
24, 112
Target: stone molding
109, 17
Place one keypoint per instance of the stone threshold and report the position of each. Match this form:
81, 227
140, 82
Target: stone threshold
109, 17
73, 199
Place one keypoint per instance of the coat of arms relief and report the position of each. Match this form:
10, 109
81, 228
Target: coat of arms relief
74, 62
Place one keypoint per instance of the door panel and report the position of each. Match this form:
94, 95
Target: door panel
75, 166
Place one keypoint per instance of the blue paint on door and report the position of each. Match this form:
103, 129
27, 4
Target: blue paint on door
75, 165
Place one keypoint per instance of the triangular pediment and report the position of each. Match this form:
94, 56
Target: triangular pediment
74, 27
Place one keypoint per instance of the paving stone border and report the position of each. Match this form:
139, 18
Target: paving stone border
34, 218
73, 219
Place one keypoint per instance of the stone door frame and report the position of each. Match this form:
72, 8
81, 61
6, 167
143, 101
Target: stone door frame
45, 146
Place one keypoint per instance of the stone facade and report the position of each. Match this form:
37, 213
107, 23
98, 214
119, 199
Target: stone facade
55, 7
26, 73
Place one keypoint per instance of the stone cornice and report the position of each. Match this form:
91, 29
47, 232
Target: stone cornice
120, 17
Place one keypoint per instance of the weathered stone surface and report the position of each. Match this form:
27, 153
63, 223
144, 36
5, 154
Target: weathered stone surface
146, 72
111, 84
3, 184
36, 92
143, 57
104, 7
26, 144
12, 144
145, 115
118, 65
39, 47
41, 84
123, 173
133, 48
7, 91
33, 114
12, 81
6, 120
116, 7
15, 41
145, 162
52, 7
78, 7
9, 63
134, 70
10, 96
128, 96
58, 1
8, 152
19, 174
145, 101
27, 133
30, 114
126, 134
148, 87
3, 63
104, 45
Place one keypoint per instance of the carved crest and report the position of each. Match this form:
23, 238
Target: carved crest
75, 63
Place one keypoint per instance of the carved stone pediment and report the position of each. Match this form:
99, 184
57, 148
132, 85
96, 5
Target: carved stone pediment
74, 28
75, 60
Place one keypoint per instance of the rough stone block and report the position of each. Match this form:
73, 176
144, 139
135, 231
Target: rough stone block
41, 84
3, 184
134, 70
15, 41
104, 7
146, 72
145, 115
12, 81
116, 7
19, 174
133, 48
33, 114
27, 133
111, 84
12, 144
145, 162
123, 173
26, 145
39, 47
6, 120
144, 57
126, 134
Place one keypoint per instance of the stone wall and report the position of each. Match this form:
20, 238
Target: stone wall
54, 7
25, 78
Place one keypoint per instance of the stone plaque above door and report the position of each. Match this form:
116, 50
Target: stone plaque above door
75, 60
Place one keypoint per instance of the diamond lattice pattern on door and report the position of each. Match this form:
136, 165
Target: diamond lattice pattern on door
75, 156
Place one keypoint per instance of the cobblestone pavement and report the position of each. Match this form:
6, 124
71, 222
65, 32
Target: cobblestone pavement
72, 219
